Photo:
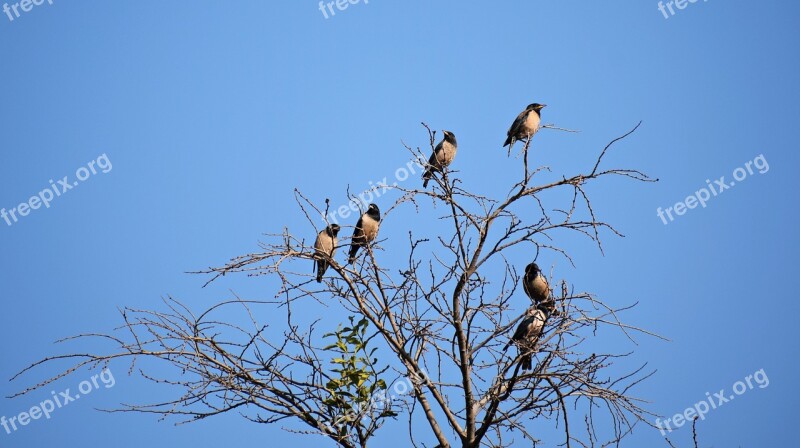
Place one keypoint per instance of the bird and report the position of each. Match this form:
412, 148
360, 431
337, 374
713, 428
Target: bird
325, 246
442, 156
536, 287
527, 334
366, 230
526, 124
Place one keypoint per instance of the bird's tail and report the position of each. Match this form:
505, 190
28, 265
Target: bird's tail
509, 141
322, 266
507, 345
353, 252
426, 177
526, 362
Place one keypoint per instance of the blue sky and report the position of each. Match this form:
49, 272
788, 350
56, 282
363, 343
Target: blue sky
211, 113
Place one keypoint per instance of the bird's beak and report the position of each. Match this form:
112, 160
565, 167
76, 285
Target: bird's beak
542, 106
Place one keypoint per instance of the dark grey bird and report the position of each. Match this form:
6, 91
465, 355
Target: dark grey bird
527, 334
536, 287
526, 124
442, 156
366, 230
324, 248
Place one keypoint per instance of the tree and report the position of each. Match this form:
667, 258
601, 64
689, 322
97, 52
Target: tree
438, 323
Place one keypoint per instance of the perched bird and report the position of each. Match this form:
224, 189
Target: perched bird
442, 156
366, 230
527, 334
325, 245
535, 285
526, 124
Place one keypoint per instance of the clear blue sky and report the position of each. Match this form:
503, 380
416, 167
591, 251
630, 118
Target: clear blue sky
212, 112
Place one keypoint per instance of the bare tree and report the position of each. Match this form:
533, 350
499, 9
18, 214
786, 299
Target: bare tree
437, 322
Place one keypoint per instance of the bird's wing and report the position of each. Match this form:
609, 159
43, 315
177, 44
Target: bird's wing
547, 290
432, 160
438, 148
522, 329
318, 243
358, 232
526, 286
536, 324
518, 123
